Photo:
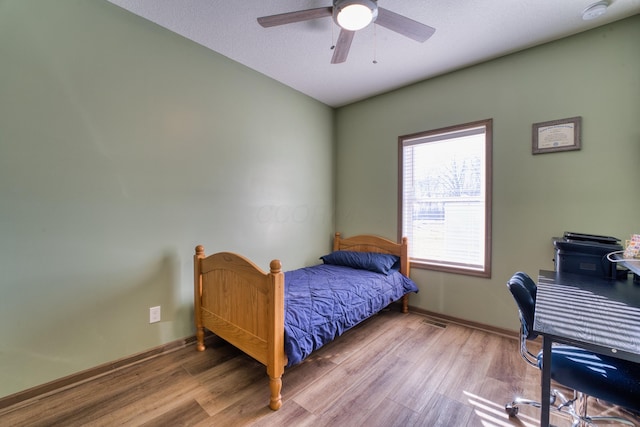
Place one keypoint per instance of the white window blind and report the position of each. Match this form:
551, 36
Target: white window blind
445, 209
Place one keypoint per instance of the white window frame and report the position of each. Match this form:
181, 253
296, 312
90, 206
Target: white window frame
477, 225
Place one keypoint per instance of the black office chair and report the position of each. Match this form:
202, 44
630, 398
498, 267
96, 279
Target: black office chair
606, 378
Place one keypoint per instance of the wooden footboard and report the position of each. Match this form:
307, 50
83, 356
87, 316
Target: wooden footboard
244, 305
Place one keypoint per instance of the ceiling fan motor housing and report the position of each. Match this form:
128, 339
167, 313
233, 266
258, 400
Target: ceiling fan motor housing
354, 15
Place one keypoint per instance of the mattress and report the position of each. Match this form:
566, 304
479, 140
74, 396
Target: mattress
324, 301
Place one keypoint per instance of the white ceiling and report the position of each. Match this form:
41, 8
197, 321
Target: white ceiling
298, 55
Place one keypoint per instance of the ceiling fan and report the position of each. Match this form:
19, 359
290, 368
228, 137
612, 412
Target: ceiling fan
351, 16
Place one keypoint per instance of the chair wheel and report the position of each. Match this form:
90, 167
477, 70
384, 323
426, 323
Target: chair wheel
511, 409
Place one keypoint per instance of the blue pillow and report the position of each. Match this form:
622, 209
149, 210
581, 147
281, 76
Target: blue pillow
379, 263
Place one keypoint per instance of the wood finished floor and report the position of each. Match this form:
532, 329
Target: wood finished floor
392, 370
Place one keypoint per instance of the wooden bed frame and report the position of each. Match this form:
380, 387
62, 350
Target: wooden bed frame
243, 305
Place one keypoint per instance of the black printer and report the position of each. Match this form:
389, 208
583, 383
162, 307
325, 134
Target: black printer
587, 254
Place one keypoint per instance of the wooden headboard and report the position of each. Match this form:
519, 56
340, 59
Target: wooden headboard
370, 243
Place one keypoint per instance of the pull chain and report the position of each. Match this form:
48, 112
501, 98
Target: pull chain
333, 40
375, 42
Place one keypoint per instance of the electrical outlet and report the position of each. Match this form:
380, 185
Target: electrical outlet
154, 314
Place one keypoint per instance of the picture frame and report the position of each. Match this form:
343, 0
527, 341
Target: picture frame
557, 135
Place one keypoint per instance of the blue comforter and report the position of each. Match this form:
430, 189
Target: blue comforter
323, 301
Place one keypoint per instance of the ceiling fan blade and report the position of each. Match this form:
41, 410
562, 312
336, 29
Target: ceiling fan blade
342, 46
403, 25
291, 17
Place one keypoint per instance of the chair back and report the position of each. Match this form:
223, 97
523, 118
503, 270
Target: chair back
523, 289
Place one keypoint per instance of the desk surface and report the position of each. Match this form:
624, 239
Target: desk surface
601, 315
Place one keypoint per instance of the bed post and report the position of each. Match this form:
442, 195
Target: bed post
336, 242
197, 296
404, 269
276, 355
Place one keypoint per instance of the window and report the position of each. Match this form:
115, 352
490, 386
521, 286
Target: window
445, 198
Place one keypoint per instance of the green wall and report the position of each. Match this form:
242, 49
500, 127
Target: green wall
122, 147
595, 75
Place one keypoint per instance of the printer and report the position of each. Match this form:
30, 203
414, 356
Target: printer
587, 254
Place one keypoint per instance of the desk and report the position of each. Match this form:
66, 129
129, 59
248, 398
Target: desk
600, 315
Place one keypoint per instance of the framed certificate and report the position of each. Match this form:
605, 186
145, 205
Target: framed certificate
556, 135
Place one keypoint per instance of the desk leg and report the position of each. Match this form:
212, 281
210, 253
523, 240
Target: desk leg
545, 382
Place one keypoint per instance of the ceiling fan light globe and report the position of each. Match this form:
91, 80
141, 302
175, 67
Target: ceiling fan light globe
354, 15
